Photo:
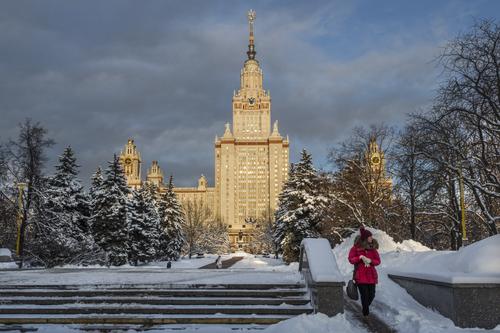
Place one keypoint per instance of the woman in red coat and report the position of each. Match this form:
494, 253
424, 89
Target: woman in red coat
364, 256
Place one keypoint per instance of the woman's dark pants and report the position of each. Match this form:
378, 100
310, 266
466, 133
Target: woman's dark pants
367, 293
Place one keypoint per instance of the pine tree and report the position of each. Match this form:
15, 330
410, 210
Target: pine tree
95, 194
70, 190
281, 226
143, 227
109, 226
62, 231
172, 223
301, 208
96, 182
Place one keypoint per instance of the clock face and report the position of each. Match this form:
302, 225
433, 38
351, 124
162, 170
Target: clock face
375, 160
251, 100
128, 161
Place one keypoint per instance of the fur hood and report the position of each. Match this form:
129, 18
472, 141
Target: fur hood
364, 244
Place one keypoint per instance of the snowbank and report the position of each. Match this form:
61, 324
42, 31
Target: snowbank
476, 263
5, 252
319, 323
6, 259
8, 265
320, 260
480, 257
387, 245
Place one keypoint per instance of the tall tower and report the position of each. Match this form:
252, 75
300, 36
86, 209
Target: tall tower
375, 162
375, 158
251, 162
131, 163
251, 103
155, 175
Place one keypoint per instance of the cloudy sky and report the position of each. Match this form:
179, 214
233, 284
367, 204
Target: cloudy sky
95, 73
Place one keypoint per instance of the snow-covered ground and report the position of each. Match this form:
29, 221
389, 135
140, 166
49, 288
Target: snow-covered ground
123, 276
259, 263
252, 269
182, 263
392, 303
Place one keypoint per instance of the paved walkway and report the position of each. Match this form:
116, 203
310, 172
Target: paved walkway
372, 322
225, 263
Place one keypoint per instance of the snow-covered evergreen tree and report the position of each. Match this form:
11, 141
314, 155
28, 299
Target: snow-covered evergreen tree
144, 227
95, 194
109, 226
172, 223
284, 205
96, 182
63, 235
301, 208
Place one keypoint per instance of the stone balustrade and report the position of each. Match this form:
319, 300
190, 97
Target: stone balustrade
322, 275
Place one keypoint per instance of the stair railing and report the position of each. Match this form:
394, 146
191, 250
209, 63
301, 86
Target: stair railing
322, 276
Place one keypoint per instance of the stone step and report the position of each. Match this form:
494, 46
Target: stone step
152, 304
163, 310
110, 328
270, 293
155, 301
138, 319
153, 286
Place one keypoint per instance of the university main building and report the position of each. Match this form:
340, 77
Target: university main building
251, 159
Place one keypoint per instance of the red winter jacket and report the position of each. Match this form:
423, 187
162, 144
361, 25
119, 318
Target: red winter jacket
364, 275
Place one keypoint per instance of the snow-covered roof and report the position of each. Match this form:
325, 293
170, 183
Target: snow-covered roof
321, 261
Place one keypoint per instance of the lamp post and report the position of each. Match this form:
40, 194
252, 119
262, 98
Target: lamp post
20, 187
462, 205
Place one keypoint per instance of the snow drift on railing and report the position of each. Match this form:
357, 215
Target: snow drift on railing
321, 261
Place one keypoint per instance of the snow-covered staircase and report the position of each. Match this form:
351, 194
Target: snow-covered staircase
226, 304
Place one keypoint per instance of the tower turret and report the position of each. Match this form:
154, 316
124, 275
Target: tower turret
202, 183
155, 174
131, 163
251, 103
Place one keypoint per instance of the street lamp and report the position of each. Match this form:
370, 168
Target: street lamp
462, 203
20, 187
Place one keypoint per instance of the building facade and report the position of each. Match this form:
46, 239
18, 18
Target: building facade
251, 159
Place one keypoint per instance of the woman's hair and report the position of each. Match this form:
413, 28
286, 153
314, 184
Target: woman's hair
364, 243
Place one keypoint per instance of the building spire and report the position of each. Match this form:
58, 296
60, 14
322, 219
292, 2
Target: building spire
251, 47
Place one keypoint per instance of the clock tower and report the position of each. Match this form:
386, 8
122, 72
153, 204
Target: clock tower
131, 163
375, 159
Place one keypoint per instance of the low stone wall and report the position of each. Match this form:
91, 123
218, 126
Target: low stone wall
326, 289
466, 304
